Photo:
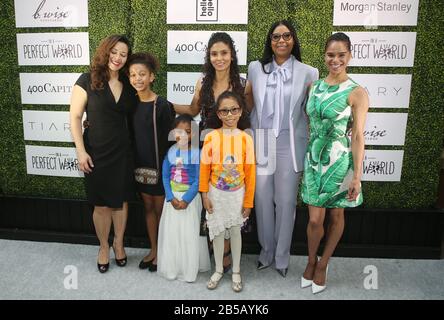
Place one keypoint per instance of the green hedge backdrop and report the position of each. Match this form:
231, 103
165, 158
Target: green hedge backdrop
144, 21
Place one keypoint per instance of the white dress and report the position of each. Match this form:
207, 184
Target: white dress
182, 252
227, 210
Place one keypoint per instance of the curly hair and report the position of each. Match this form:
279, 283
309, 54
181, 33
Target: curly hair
267, 56
99, 66
206, 94
145, 58
244, 121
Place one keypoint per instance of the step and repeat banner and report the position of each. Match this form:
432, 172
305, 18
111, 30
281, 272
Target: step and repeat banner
381, 49
369, 49
50, 49
189, 47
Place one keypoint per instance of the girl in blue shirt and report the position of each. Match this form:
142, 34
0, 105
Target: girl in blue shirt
182, 252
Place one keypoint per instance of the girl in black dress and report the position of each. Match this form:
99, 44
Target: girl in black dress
104, 152
142, 69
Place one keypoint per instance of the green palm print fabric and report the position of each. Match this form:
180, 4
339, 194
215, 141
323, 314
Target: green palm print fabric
328, 166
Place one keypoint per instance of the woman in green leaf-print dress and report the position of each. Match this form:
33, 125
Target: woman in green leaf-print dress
328, 167
333, 163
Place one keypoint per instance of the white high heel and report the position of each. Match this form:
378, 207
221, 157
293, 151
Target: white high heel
305, 283
316, 288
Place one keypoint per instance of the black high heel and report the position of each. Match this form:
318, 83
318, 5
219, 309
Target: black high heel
145, 264
282, 272
120, 262
102, 267
152, 267
261, 266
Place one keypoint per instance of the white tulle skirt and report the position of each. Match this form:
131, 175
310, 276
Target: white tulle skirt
181, 252
227, 210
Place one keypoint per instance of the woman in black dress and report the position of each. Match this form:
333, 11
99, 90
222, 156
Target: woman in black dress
142, 69
104, 151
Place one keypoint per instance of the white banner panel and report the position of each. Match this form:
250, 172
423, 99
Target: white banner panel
382, 49
61, 48
375, 13
382, 165
207, 11
385, 129
51, 13
181, 86
386, 90
52, 161
47, 88
47, 125
188, 47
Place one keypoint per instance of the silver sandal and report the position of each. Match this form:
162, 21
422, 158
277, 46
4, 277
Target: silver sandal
212, 284
236, 285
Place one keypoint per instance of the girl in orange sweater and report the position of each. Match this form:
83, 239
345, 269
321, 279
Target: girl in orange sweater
227, 181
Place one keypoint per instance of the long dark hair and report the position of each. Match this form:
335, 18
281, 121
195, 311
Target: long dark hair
244, 121
267, 56
99, 66
206, 94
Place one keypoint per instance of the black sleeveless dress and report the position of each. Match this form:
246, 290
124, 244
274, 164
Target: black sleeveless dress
143, 130
107, 141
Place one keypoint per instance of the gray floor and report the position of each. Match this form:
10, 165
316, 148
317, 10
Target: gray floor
36, 270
